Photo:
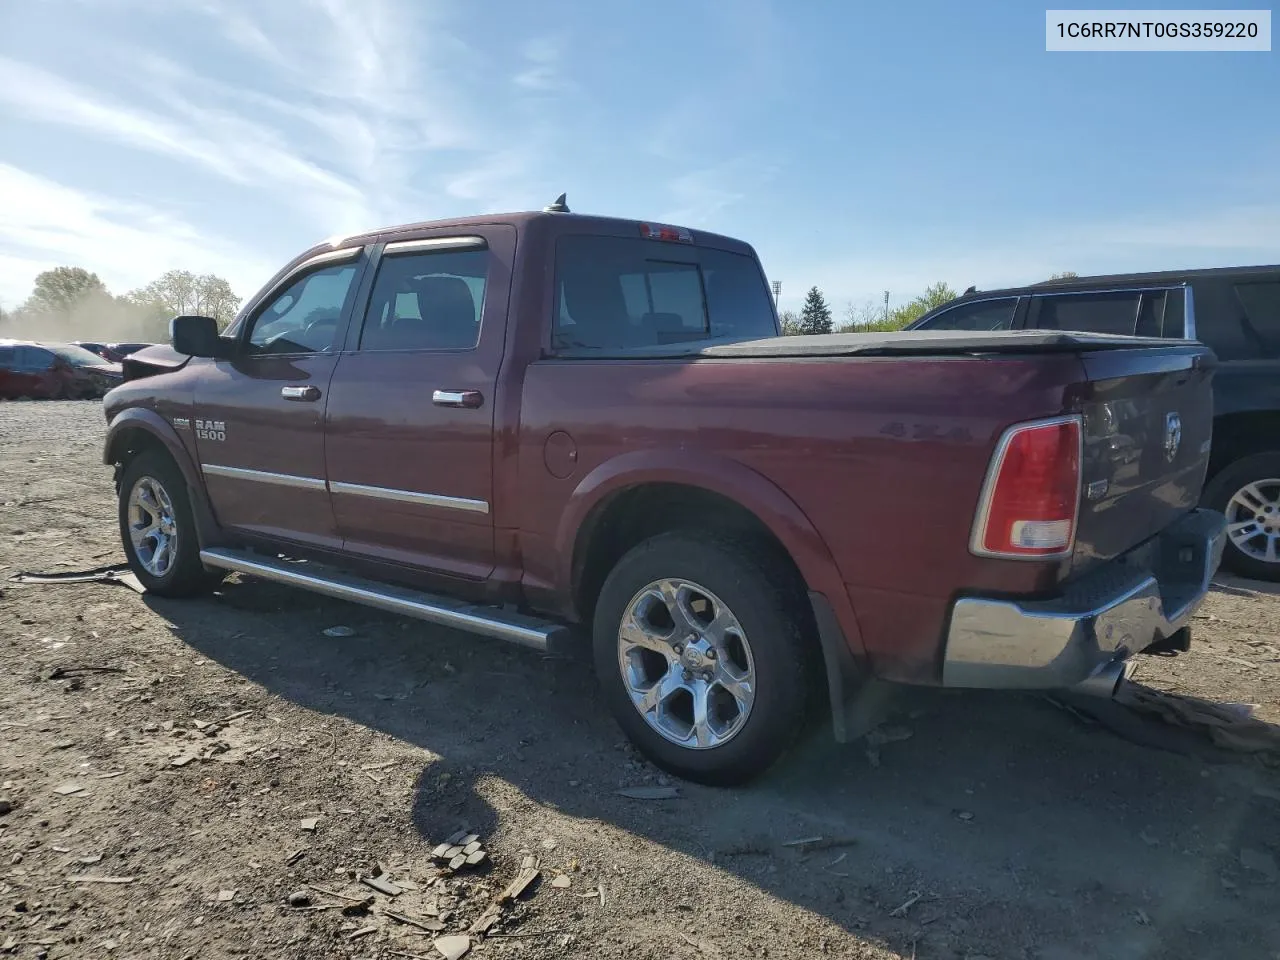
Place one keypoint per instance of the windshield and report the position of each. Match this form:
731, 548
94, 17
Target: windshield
77, 356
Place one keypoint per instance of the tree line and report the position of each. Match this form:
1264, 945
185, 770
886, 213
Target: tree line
815, 315
867, 317
71, 303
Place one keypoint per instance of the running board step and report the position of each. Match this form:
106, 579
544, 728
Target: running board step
527, 631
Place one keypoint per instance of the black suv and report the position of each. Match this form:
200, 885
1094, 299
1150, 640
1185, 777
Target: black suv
1236, 311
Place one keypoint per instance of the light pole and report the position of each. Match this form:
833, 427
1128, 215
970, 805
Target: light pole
886, 306
777, 292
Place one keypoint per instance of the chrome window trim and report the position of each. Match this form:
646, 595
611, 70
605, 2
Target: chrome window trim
989, 489
430, 244
263, 476
1188, 313
410, 496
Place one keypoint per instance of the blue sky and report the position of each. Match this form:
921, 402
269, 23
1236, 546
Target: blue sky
859, 147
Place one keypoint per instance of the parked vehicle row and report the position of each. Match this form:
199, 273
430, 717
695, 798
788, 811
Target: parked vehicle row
112, 352
521, 425
53, 371
1236, 312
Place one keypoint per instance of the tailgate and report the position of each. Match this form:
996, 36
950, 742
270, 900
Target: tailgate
1148, 420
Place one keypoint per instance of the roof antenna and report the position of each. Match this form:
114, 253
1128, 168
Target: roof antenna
969, 290
559, 206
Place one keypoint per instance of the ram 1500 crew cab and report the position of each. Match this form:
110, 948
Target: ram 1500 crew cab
516, 424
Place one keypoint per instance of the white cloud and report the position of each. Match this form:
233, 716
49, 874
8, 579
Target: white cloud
542, 71
45, 224
225, 144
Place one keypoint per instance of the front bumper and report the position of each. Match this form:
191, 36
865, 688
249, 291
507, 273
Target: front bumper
1132, 602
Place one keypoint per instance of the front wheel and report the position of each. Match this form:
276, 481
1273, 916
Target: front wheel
158, 529
702, 656
1248, 493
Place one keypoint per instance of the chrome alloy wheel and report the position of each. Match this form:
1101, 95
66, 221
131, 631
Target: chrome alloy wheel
153, 528
686, 664
1253, 520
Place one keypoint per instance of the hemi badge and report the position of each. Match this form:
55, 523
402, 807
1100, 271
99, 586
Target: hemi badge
181, 423
1096, 490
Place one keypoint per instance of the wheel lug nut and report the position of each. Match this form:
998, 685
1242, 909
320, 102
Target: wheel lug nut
679, 648
711, 654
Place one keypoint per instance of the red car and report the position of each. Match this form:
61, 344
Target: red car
540, 425
53, 371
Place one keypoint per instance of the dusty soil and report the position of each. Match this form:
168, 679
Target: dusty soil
1002, 826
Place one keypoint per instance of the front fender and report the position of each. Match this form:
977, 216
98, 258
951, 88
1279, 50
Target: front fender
122, 435
728, 478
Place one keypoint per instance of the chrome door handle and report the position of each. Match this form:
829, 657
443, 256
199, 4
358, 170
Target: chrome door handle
306, 393
457, 398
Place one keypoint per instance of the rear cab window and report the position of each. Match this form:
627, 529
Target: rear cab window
617, 292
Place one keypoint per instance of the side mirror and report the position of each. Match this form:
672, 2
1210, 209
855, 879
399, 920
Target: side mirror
197, 337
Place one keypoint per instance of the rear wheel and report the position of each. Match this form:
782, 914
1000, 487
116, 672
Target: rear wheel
1247, 492
158, 529
701, 655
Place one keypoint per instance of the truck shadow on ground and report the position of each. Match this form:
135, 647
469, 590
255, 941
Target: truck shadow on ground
988, 809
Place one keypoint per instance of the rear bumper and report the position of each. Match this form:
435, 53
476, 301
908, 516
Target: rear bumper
1132, 602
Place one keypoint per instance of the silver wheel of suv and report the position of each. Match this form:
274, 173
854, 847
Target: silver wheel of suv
686, 664
153, 527
1253, 520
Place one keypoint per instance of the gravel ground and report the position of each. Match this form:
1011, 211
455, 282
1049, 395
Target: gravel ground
981, 826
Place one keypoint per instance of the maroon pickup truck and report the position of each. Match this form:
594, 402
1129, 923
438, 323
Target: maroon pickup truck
513, 425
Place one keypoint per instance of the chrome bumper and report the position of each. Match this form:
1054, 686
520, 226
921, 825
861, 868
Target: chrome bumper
1110, 614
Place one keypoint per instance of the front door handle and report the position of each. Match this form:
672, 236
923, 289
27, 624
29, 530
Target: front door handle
304, 394
457, 398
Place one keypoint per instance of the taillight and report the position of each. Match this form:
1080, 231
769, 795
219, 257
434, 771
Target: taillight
658, 231
1031, 500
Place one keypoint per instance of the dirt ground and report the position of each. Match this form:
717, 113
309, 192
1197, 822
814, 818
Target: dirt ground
999, 826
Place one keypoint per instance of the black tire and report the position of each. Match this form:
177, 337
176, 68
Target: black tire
770, 607
1217, 496
185, 576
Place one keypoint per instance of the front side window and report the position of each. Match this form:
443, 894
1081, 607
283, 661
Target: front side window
427, 301
1110, 312
304, 317
613, 292
981, 315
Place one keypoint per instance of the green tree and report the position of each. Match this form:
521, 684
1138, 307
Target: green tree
1065, 275
790, 323
60, 290
183, 292
815, 315
934, 295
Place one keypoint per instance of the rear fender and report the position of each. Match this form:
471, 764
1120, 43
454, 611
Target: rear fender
730, 479
123, 436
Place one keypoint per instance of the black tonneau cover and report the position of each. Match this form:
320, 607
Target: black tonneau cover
896, 343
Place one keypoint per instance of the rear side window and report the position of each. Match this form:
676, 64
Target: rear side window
1151, 313
1261, 303
613, 292
427, 301
1110, 312
6, 356
982, 315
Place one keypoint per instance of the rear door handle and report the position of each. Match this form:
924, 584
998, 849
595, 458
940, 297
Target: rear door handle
304, 394
457, 398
